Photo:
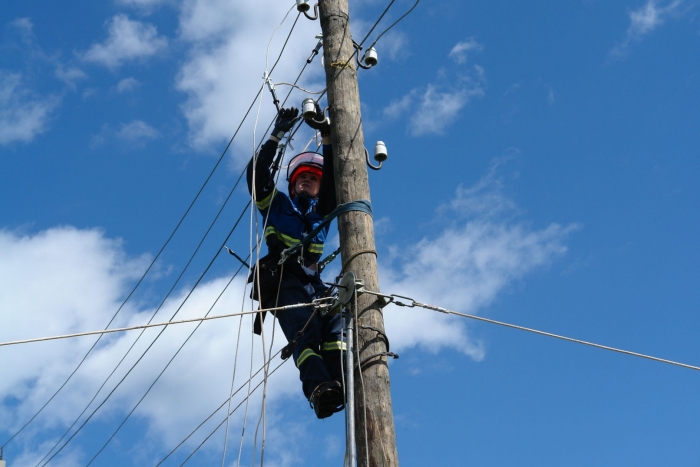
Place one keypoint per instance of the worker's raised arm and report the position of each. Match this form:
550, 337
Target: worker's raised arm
262, 162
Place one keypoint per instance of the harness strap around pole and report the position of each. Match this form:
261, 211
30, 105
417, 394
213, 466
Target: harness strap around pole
361, 205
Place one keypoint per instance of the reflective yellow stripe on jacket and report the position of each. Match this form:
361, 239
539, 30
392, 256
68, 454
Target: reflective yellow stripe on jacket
265, 202
290, 241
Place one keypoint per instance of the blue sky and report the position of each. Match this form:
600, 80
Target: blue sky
543, 166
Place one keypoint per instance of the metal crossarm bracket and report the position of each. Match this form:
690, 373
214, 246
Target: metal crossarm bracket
347, 287
346, 291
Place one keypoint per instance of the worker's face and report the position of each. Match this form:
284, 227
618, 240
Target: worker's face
307, 183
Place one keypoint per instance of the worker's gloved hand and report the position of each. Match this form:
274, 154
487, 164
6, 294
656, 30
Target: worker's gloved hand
286, 118
319, 122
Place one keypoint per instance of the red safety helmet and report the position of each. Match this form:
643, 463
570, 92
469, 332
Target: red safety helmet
304, 162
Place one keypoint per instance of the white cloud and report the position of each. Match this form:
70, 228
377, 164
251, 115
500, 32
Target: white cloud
127, 84
24, 25
228, 42
128, 40
143, 4
400, 106
436, 106
66, 280
460, 50
645, 20
22, 115
70, 75
137, 131
432, 110
465, 267
437, 110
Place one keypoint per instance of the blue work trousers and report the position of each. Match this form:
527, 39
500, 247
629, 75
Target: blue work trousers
319, 350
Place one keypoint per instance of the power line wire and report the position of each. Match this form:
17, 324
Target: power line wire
286, 41
393, 24
149, 321
164, 246
356, 49
222, 421
151, 344
167, 242
534, 331
213, 222
219, 408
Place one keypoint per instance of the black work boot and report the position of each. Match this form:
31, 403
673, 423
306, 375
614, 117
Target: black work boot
327, 399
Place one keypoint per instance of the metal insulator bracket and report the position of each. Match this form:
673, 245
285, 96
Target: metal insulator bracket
350, 284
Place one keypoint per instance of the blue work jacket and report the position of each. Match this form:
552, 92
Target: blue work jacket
288, 220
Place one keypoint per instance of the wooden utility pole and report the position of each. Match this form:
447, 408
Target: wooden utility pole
374, 417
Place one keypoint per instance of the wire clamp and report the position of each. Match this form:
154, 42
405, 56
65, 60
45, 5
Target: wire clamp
316, 50
271, 87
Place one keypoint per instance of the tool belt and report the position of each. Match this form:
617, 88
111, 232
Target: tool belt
269, 280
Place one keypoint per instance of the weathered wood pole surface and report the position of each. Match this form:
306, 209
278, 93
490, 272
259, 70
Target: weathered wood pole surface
374, 415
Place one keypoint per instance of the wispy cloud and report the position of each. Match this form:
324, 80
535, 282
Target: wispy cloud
461, 49
67, 280
465, 266
127, 84
138, 132
437, 109
144, 5
70, 75
24, 26
431, 109
23, 115
645, 20
128, 40
224, 37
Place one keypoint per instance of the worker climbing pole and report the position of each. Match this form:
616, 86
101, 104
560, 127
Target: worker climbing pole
375, 434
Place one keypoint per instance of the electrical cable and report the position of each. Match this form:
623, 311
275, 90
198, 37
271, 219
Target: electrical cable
376, 23
198, 194
266, 132
362, 380
259, 240
164, 369
393, 24
392, 299
227, 147
222, 422
161, 324
200, 321
206, 234
299, 87
217, 410
189, 208
154, 340
253, 223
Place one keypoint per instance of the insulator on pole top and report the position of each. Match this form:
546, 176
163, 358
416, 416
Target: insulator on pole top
380, 154
303, 5
308, 108
370, 57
